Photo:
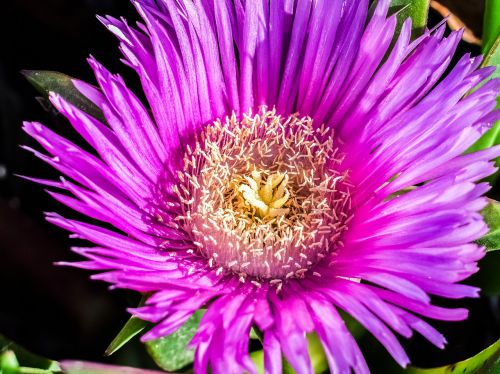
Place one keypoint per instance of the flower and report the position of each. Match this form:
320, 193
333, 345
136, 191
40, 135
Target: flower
287, 166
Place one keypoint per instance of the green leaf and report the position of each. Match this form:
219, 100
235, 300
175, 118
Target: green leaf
171, 352
133, 327
28, 359
492, 58
256, 334
317, 354
258, 359
9, 363
62, 84
418, 10
491, 215
493, 367
486, 361
491, 25
491, 137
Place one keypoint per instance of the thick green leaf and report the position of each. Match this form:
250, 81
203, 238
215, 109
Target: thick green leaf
258, 359
493, 367
486, 361
133, 327
8, 363
171, 352
491, 216
28, 359
317, 354
491, 137
491, 25
62, 84
492, 58
26, 370
418, 10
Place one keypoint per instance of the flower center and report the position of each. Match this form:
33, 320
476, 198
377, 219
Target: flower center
265, 197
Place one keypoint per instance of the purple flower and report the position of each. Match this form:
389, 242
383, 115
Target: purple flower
282, 170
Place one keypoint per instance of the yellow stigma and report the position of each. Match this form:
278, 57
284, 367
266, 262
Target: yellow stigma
267, 196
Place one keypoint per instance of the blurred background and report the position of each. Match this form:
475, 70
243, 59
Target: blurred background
58, 312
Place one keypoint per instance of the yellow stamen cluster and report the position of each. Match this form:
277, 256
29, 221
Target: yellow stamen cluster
263, 197
267, 197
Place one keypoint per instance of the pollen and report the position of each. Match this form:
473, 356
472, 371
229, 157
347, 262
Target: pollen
264, 197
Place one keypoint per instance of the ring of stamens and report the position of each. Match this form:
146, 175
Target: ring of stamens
263, 197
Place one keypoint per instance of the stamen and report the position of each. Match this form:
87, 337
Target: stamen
264, 197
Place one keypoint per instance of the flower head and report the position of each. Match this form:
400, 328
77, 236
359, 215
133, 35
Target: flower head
287, 165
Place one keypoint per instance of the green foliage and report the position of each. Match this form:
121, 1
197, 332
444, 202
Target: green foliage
256, 334
491, 137
62, 84
317, 354
133, 327
491, 25
491, 214
379, 361
418, 10
11, 353
8, 363
485, 362
258, 359
171, 352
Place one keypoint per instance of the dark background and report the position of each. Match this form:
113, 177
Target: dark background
58, 312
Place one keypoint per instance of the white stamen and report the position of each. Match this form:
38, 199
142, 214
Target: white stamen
263, 197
